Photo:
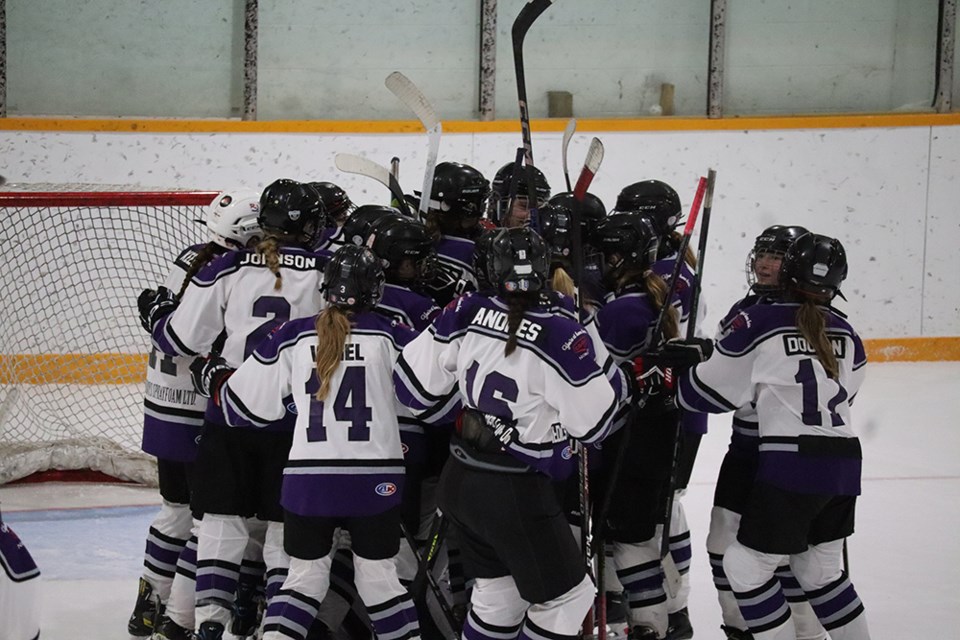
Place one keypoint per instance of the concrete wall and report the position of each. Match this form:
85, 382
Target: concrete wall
890, 194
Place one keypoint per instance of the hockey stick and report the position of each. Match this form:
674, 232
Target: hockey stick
417, 591
350, 163
701, 252
525, 19
410, 95
567, 135
590, 167
514, 185
395, 167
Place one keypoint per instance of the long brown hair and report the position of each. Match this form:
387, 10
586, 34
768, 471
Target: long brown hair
812, 323
210, 251
676, 239
333, 328
656, 288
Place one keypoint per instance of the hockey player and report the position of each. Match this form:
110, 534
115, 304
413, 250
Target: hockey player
555, 220
245, 294
19, 589
345, 467
660, 203
173, 414
799, 362
740, 463
457, 200
629, 244
529, 380
500, 210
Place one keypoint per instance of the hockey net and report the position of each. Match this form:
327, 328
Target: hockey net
73, 355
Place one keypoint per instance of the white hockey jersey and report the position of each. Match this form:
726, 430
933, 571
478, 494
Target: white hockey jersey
806, 442
172, 409
346, 458
552, 385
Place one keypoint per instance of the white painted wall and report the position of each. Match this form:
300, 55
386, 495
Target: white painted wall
890, 194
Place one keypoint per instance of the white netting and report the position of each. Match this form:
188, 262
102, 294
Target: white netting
72, 351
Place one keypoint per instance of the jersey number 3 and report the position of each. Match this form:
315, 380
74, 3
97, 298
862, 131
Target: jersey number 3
350, 405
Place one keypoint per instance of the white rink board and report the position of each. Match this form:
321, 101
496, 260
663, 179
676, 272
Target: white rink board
887, 193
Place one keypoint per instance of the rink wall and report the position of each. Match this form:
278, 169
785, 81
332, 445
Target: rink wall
887, 185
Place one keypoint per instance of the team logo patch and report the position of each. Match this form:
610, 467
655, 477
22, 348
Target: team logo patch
292, 408
567, 453
386, 489
404, 448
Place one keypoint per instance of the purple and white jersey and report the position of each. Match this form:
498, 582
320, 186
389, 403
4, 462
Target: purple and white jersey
235, 293
408, 307
552, 385
346, 458
745, 438
172, 409
455, 256
806, 441
331, 239
625, 321
684, 295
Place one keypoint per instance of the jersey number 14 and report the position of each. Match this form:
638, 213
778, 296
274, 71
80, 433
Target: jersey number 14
349, 405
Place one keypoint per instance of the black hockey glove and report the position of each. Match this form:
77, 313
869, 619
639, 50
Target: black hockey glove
681, 354
208, 375
154, 305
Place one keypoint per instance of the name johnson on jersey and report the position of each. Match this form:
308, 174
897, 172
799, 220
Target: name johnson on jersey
292, 260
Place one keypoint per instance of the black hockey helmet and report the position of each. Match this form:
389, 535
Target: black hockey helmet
772, 241
334, 199
814, 264
518, 261
394, 239
458, 190
353, 279
653, 198
556, 221
630, 235
500, 199
592, 212
292, 208
357, 227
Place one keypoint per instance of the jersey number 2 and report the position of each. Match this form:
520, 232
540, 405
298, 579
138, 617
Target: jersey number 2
810, 414
275, 308
350, 405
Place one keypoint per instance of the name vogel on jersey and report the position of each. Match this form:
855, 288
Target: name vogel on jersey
285, 259
798, 345
497, 320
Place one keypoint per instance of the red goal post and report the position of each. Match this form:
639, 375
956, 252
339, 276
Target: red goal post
73, 355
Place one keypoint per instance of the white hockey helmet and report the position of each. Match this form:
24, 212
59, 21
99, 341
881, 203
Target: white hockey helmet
232, 218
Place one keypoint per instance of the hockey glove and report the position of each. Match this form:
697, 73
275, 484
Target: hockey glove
651, 378
681, 354
154, 305
208, 375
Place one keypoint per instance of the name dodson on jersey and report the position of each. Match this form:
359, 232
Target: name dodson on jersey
798, 345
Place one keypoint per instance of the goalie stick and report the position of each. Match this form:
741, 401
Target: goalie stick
567, 136
525, 19
410, 95
350, 163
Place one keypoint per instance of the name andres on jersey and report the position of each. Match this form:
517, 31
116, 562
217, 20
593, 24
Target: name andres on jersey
497, 320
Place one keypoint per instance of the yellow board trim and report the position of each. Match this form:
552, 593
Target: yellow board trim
129, 368
673, 123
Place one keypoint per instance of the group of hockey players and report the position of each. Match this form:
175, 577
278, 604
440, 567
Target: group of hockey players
370, 423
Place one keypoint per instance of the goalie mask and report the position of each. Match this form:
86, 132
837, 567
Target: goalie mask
517, 261
500, 201
353, 279
815, 265
291, 208
764, 260
654, 199
231, 218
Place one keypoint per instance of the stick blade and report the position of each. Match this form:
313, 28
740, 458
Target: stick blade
408, 93
590, 167
530, 12
350, 163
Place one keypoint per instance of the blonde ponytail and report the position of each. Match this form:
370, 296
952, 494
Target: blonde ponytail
657, 289
269, 248
812, 324
333, 327
562, 282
